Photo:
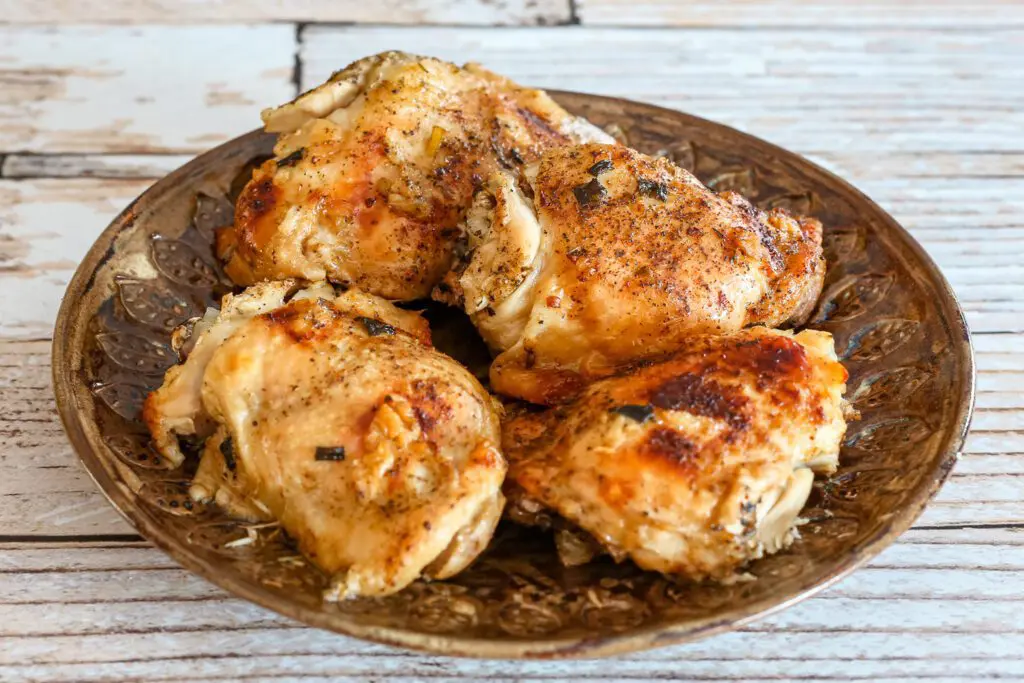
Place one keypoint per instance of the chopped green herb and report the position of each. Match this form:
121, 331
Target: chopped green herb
576, 253
600, 167
330, 453
651, 188
637, 413
590, 193
292, 158
375, 327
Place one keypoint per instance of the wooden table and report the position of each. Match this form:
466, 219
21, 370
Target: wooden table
920, 104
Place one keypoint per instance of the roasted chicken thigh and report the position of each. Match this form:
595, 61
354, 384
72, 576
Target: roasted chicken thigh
693, 465
332, 415
598, 255
375, 169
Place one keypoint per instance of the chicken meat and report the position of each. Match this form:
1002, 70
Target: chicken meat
691, 466
598, 255
375, 169
332, 415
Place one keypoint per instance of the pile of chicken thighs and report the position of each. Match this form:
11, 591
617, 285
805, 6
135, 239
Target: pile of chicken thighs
652, 412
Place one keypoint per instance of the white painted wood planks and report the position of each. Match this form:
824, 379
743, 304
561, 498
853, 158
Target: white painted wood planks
917, 106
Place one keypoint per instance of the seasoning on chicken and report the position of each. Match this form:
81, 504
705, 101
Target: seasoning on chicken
693, 465
375, 169
333, 415
599, 255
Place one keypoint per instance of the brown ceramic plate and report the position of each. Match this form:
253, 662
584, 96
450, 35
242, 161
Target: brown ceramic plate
897, 327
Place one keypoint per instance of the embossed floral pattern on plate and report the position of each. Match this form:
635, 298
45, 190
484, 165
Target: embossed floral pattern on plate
896, 325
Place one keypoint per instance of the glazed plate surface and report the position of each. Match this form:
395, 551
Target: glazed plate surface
897, 327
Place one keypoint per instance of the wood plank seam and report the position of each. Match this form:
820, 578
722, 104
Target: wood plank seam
300, 28
118, 13
574, 13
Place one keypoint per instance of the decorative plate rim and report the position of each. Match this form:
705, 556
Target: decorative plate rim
67, 359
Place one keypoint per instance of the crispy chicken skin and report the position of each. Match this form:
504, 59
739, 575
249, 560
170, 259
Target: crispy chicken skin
375, 169
332, 415
599, 255
693, 465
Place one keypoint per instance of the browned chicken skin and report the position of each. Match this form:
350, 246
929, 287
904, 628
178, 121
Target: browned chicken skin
331, 414
693, 465
606, 282
601, 255
376, 168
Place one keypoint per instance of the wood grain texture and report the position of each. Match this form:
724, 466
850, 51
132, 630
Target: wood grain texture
134, 614
886, 91
918, 104
416, 12
138, 89
112, 166
48, 225
955, 14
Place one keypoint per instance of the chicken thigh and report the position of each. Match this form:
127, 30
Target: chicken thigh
332, 415
375, 169
599, 255
693, 465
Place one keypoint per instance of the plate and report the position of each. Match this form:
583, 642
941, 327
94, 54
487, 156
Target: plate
897, 327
